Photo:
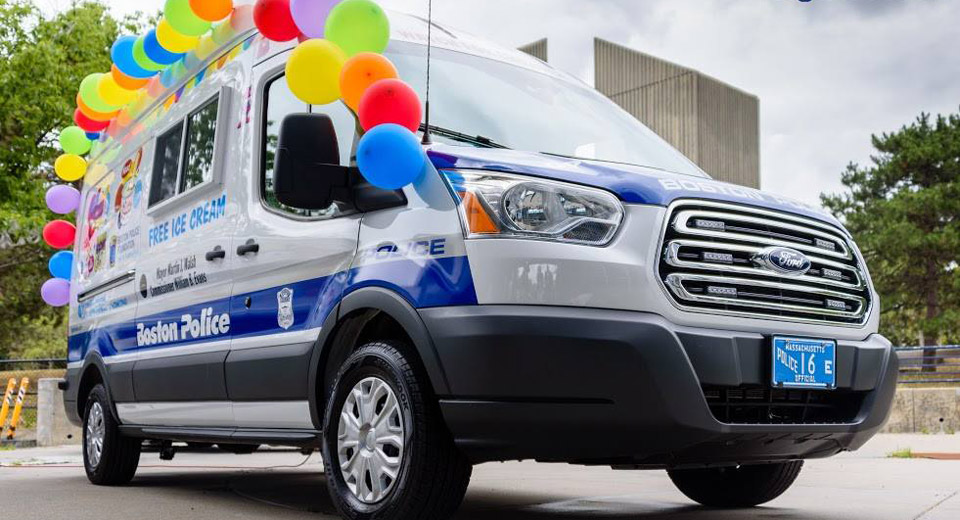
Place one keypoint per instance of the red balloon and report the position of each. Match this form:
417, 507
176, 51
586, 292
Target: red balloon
59, 234
88, 124
274, 20
390, 101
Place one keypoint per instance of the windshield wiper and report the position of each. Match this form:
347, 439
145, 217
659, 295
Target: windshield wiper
478, 140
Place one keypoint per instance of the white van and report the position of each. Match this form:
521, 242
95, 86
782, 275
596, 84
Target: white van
561, 285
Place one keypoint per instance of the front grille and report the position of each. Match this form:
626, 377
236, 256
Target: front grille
760, 405
711, 262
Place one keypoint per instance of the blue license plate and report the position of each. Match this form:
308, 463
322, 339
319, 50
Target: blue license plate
804, 363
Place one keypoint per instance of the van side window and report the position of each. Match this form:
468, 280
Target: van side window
182, 163
166, 166
279, 102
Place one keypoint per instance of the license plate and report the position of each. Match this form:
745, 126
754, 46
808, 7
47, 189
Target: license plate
804, 363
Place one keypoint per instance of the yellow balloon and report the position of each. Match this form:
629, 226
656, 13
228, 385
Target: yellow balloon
70, 167
114, 94
173, 41
206, 47
313, 71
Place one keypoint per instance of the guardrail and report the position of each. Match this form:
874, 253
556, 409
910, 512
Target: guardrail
929, 365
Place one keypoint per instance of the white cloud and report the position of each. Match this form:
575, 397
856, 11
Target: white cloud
828, 73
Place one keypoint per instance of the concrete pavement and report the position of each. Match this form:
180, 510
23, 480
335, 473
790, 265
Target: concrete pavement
49, 484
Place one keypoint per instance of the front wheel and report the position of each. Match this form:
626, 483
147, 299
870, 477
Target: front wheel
740, 486
109, 458
388, 454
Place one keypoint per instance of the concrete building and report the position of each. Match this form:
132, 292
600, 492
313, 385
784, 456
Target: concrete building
714, 124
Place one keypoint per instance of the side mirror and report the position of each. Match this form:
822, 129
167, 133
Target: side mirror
307, 171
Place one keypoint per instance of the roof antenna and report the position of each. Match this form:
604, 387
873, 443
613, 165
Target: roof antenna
426, 130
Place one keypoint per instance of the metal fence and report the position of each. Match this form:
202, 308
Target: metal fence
929, 365
33, 370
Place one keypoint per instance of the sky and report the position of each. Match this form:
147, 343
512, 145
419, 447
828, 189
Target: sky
829, 73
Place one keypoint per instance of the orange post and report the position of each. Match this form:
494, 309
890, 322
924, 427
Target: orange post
7, 401
17, 408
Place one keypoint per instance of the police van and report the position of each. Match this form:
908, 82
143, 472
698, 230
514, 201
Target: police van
561, 285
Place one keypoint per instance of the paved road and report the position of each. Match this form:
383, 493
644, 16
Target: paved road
863, 486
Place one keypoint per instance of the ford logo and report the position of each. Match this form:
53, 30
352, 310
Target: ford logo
783, 260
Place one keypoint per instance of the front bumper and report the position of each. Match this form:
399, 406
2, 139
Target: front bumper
625, 388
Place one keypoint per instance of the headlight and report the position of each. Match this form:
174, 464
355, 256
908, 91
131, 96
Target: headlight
498, 205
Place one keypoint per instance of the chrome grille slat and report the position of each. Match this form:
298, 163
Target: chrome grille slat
714, 267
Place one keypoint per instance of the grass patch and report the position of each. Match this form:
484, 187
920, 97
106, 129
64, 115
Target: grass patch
7, 447
902, 453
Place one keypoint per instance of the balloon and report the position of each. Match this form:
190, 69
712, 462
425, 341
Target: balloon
56, 292
63, 199
358, 26
390, 157
122, 55
93, 136
311, 15
144, 61
313, 72
114, 94
90, 94
173, 41
74, 140
93, 114
390, 101
223, 32
70, 167
206, 47
59, 234
183, 20
274, 20
362, 71
61, 264
156, 52
126, 82
88, 124
211, 10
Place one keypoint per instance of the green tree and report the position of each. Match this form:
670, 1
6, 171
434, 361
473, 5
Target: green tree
42, 61
904, 211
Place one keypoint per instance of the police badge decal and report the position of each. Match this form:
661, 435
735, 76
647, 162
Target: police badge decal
285, 308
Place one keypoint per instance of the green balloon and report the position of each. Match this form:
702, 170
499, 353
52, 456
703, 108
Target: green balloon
358, 26
90, 94
140, 56
74, 140
180, 16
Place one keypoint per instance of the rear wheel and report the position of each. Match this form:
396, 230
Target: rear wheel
388, 454
109, 458
740, 486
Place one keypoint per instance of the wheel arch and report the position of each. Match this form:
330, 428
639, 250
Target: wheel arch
361, 312
94, 372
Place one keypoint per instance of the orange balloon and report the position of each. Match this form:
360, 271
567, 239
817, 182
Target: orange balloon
126, 81
362, 71
93, 114
212, 10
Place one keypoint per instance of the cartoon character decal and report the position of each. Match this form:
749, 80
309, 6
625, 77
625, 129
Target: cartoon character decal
130, 190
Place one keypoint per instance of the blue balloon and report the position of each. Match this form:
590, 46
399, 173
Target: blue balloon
390, 157
93, 136
156, 52
122, 55
168, 78
61, 265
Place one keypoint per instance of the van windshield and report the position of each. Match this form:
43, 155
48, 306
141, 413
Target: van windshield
522, 109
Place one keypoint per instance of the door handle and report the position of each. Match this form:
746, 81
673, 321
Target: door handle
250, 247
217, 254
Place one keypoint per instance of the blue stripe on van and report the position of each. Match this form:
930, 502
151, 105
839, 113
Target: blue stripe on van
423, 282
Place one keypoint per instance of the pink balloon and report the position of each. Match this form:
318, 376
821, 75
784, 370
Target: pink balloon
63, 199
56, 292
311, 15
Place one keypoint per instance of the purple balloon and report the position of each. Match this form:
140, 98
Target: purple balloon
311, 15
56, 292
63, 199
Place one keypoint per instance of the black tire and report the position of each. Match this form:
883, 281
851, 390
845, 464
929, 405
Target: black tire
433, 474
119, 455
239, 449
737, 487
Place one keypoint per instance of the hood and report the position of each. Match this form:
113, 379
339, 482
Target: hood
633, 184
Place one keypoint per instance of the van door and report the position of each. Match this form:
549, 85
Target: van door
291, 267
184, 277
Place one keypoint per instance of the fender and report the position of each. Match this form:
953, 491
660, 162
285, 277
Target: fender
395, 306
93, 361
